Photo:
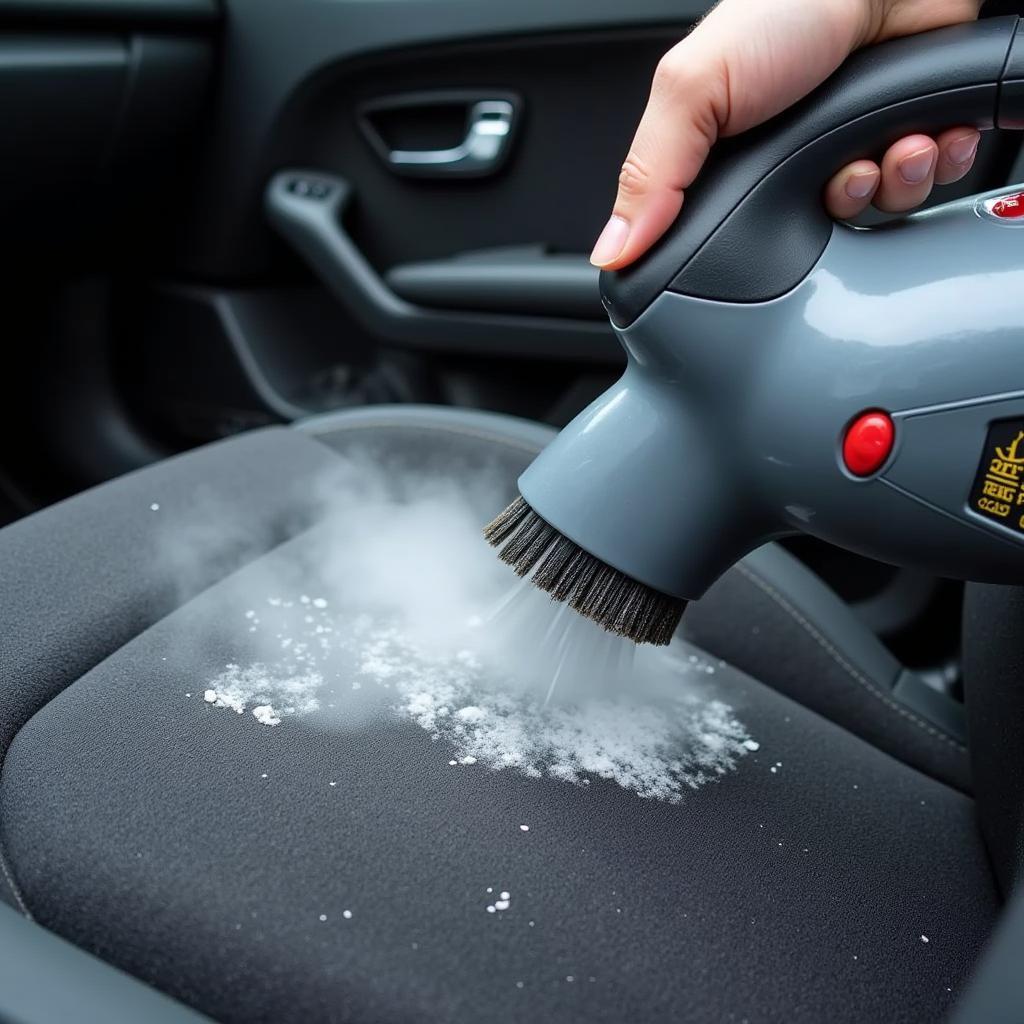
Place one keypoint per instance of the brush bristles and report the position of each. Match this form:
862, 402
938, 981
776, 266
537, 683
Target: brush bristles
568, 573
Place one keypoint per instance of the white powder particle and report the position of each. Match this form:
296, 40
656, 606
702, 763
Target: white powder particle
490, 889
250, 614
924, 938
155, 507
323, 917
347, 914
505, 896
225, 699
570, 977
265, 715
264, 775
453, 762
751, 745
501, 904
271, 694
319, 602
657, 750
331, 783
524, 828
773, 769
491, 908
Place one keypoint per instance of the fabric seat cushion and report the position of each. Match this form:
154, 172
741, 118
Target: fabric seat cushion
215, 855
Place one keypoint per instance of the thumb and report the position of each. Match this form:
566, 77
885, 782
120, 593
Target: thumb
689, 103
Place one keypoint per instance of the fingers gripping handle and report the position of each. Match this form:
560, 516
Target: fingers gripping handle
753, 225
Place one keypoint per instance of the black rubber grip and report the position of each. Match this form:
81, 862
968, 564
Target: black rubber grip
753, 224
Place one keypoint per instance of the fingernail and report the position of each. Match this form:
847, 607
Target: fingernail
611, 241
860, 186
915, 168
961, 151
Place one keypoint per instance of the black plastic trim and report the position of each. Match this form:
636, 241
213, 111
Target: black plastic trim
306, 208
44, 979
516, 280
132, 12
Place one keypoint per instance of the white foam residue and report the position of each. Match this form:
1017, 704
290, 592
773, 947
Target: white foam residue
655, 750
658, 749
224, 699
271, 693
265, 715
402, 628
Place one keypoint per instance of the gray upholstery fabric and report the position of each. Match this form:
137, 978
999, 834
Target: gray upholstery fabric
81, 578
84, 576
757, 618
138, 824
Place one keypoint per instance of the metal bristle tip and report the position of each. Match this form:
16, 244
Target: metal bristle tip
593, 588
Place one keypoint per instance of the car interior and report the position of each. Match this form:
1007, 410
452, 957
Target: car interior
247, 239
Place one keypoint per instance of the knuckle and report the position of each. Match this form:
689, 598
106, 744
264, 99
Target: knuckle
670, 74
634, 178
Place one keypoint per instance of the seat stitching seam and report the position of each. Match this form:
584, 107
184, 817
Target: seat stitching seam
841, 661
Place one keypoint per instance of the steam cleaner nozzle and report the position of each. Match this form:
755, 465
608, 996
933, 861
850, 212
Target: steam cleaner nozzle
591, 587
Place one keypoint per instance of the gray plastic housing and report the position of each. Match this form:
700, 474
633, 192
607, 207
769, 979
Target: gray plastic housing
726, 429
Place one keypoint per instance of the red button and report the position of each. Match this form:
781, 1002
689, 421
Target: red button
868, 443
1009, 206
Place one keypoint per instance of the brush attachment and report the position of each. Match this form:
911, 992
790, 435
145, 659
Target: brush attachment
568, 573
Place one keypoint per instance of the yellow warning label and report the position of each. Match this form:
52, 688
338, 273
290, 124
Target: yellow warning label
998, 484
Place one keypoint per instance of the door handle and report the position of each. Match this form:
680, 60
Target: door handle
490, 127
488, 133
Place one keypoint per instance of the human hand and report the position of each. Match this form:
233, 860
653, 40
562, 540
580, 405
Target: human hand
742, 65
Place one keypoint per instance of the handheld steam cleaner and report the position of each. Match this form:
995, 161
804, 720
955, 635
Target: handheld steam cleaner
789, 374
